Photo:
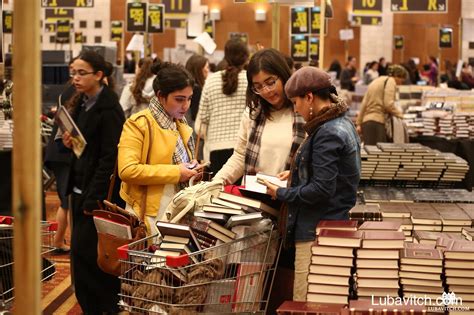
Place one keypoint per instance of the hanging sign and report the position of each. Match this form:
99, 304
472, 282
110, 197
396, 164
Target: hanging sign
7, 21
367, 7
314, 48
358, 20
63, 31
299, 20
445, 37
78, 38
398, 42
67, 3
136, 13
156, 18
419, 6
315, 25
299, 47
116, 31
52, 15
209, 28
177, 6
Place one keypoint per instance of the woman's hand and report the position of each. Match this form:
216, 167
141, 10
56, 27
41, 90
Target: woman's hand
283, 175
359, 130
67, 140
185, 172
271, 188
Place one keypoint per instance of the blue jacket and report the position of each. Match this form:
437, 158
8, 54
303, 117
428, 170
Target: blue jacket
324, 178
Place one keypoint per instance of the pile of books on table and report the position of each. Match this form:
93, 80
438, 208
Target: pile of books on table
410, 162
374, 194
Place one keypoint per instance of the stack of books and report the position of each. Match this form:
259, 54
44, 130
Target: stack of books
398, 212
177, 239
468, 209
330, 278
367, 212
468, 233
452, 217
446, 128
463, 125
414, 124
6, 135
459, 269
377, 261
456, 168
424, 217
420, 272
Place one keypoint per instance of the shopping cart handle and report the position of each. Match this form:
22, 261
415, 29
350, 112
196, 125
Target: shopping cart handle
177, 261
122, 252
6, 220
53, 226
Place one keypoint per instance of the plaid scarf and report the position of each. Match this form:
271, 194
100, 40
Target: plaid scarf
180, 154
255, 137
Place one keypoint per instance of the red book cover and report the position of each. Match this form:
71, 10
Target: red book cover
381, 226
340, 234
348, 224
384, 235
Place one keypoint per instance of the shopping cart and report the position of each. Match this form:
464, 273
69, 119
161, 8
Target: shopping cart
6, 258
234, 277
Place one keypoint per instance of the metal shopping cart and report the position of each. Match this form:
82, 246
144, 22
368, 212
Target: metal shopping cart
6, 258
234, 277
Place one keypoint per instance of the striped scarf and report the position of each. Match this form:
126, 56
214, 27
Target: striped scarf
255, 137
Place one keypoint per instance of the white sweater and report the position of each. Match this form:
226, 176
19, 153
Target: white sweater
128, 101
275, 146
219, 115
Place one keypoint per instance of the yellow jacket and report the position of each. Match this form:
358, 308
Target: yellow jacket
137, 175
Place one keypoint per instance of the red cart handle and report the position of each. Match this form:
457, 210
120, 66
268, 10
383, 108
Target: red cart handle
177, 261
6, 220
122, 252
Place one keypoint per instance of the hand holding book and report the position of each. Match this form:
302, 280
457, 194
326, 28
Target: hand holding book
271, 188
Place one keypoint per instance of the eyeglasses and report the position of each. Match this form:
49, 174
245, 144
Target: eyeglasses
79, 73
269, 85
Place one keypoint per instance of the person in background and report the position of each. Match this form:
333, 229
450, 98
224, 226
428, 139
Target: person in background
325, 171
97, 113
222, 104
335, 67
198, 66
136, 96
349, 75
129, 64
372, 72
383, 66
413, 73
433, 71
466, 75
450, 78
268, 113
378, 102
156, 149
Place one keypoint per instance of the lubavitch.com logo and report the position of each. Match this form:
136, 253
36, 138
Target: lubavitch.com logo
445, 302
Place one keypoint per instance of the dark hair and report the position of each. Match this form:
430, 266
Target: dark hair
194, 65
373, 63
272, 62
170, 77
290, 62
143, 74
325, 93
432, 58
236, 55
336, 67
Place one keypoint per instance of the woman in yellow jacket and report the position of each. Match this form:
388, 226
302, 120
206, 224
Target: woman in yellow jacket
156, 149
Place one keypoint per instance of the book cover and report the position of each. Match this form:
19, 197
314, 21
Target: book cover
350, 225
340, 238
110, 227
328, 288
322, 250
377, 263
212, 216
427, 216
328, 279
381, 226
330, 270
332, 260
415, 256
177, 230
383, 239
220, 296
245, 219
255, 203
221, 210
461, 250
248, 287
326, 298
67, 124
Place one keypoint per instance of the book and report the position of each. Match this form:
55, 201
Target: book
418, 256
211, 216
293, 307
460, 273
326, 298
383, 239
421, 282
330, 270
207, 227
177, 230
67, 124
377, 263
421, 268
175, 239
322, 250
110, 227
221, 210
423, 289
264, 198
244, 219
380, 226
377, 283
249, 202
328, 288
377, 273
368, 292
220, 202
378, 253
331, 260
460, 250
459, 264
458, 281
328, 279
340, 238
427, 216
347, 225
248, 287
468, 233
254, 182
220, 296
420, 275
426, 237
367, 212
173, 246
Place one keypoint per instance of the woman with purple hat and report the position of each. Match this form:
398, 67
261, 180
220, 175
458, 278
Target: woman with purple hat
325, 172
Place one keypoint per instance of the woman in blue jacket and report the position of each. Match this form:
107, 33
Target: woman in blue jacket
325, 172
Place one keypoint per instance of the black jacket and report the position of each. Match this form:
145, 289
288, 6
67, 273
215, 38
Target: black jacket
102, 133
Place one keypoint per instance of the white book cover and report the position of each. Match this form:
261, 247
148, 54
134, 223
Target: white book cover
119, 230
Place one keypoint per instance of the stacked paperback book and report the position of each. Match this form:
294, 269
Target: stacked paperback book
377, 259
410, 162
330, 278
6, 135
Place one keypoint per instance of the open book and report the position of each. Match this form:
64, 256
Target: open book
66, 123
252, 182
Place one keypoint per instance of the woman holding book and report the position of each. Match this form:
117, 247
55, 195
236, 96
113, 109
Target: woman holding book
268, 113
325, 171
97, 113
156, 149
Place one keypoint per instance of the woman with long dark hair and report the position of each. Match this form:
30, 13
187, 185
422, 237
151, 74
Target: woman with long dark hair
198, 66
97, 113
268, 113
136, 96
222, 104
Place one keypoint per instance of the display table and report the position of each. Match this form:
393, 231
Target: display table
461, 147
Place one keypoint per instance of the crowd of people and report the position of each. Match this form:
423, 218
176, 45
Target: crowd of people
148, 136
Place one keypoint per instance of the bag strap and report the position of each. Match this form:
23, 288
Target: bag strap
112, 181
198, 142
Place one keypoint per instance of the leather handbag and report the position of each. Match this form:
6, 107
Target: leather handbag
107, 255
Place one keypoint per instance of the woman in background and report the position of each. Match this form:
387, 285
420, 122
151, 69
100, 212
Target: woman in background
222, 104
198, 66
97, 113
136, 96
